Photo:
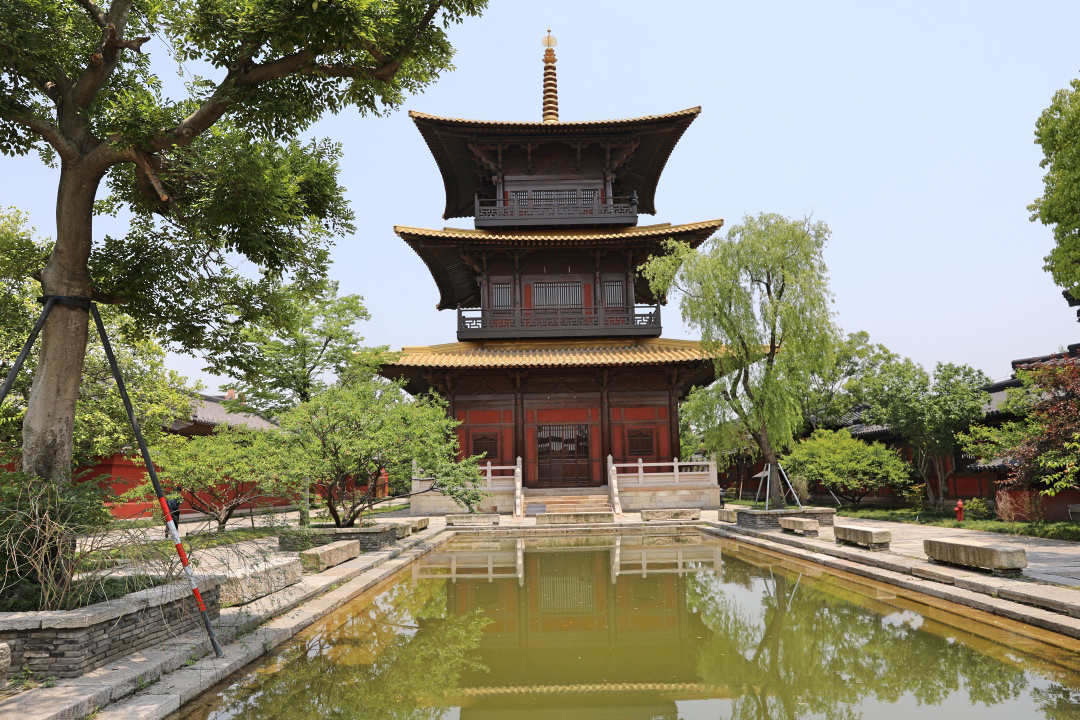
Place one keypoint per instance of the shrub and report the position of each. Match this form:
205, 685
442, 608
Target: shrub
849, 467
40, 523
1019, 505
978, 509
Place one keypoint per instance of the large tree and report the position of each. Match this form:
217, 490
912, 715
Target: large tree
210, 176
836, 387
1057, 131
101, 425
760, 299
927, 412
1042, 446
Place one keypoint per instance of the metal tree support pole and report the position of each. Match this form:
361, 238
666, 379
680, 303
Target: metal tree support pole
169, 523
85, 304
26, 348
784, 475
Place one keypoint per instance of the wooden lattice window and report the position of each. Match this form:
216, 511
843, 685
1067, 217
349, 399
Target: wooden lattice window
486, 443
640, 443
552, 295
500, 296
614, 295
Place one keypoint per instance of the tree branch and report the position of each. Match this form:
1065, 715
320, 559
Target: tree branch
245, 73
44, 129
102, 63
94, 12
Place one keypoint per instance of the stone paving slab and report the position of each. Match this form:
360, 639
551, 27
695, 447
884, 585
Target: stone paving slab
142, 707
1056, 561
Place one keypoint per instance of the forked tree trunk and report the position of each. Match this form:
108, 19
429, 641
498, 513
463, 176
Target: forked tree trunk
50, 415
775, 483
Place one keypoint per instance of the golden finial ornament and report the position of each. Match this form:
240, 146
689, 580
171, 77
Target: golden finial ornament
551, 88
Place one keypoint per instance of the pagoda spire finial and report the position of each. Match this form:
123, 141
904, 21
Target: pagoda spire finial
551, 87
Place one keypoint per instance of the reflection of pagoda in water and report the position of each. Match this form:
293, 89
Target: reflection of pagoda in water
586, 615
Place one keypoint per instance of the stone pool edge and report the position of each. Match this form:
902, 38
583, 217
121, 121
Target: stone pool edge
152, 684
981, 592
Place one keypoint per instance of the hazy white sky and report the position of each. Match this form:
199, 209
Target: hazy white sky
907, 127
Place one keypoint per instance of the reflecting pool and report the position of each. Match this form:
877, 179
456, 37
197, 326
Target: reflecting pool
648, 626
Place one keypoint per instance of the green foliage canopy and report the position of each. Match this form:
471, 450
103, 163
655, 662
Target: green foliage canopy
837, 386
1042, 446
1057, 131
213, 175
218, 473
848, 466
928, 412
348, 438
760, 299
292, 364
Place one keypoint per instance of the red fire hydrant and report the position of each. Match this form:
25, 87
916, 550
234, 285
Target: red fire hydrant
959, 510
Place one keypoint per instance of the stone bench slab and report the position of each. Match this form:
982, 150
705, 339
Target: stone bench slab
872, 538
573, 518
805, 526
725, 515
327, 556
473, 519
256, 581
1000, 559
671, 514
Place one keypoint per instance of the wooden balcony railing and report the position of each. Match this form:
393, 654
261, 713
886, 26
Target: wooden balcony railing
596, 321
535, 211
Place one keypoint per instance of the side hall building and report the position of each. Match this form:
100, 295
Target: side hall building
560, 376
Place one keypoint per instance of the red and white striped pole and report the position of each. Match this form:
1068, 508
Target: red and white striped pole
170, 524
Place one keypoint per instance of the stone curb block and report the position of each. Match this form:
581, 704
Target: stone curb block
672, 514
997, 558
571, 518
326, 556
872, 538
472, 519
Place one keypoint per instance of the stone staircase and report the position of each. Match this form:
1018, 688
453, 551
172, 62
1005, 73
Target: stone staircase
580, 507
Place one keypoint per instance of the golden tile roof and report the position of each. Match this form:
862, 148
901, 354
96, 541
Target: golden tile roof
541, 125
563, 237
551, 353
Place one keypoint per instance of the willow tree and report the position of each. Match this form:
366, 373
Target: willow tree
210, 177
760, 299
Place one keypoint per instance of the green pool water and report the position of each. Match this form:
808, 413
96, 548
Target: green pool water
648, 626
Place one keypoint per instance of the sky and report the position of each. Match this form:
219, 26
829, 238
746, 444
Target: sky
907, 127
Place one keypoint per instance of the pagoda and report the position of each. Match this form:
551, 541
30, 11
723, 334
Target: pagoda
559, 376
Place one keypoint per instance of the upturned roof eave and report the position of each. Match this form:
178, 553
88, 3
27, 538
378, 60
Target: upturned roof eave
442, 134
462, 293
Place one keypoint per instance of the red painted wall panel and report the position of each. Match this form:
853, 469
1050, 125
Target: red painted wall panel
562, 415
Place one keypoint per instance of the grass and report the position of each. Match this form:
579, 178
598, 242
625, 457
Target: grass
105, 558
379, 509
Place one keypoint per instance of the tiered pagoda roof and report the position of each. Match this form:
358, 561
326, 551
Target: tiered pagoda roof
456, 143
446, 252
414, 362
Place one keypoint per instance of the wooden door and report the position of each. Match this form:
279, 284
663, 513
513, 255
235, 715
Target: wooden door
562, 453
